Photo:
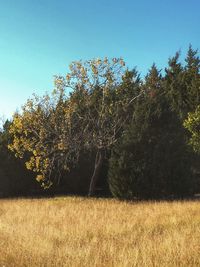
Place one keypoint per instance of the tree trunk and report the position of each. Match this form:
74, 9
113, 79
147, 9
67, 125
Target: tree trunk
95, 176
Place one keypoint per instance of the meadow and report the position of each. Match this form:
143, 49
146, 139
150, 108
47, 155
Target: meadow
73, 231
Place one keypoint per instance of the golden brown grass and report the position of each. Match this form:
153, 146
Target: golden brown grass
96, 232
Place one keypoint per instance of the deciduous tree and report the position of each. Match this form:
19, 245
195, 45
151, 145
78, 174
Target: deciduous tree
52, 130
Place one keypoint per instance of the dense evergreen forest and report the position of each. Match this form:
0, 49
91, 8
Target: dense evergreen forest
106, 131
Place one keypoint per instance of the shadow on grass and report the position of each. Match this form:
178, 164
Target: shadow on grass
99, 195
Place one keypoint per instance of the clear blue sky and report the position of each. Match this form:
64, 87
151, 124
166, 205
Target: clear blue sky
39, 38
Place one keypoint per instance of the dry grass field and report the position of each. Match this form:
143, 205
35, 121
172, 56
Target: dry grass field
97, 232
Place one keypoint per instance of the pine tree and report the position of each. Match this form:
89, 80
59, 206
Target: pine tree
151, 159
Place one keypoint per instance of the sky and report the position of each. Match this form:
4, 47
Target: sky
40, 38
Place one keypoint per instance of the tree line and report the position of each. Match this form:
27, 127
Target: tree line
105, 130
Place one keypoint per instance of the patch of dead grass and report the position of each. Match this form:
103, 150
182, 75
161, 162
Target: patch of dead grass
94, 232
